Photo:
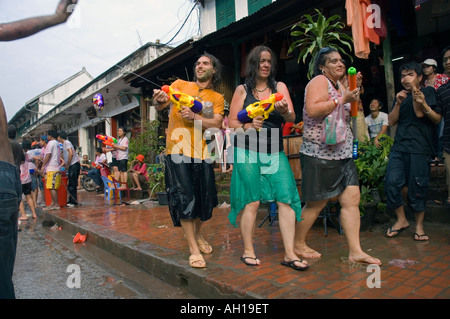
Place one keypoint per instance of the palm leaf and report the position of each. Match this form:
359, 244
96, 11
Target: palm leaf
315, 35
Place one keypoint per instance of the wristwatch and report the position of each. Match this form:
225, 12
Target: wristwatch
336, 101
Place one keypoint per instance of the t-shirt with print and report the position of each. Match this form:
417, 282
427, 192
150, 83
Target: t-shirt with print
376, 124
312, 128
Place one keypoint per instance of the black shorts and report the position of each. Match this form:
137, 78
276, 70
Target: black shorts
191, 189
114, 162
122, 165
26, 188
324, 179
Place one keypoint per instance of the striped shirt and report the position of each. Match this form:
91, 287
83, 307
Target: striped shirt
443, 103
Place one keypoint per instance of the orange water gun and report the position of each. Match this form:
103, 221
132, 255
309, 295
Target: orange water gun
353, 109
180, 99
107, 140
263, 107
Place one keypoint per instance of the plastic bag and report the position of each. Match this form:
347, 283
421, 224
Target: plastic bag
334, 127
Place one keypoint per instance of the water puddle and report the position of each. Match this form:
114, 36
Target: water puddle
402, 263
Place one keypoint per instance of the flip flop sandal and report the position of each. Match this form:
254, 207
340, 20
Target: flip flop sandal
291, 264
398, 231
419, 237
197, 261
244, 260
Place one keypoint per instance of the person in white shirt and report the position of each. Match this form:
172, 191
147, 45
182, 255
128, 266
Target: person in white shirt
52, 165
72, 161
25, 178
100, 158
122, 156
377, 122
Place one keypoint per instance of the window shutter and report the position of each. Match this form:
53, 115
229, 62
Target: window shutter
225, 13
255, 5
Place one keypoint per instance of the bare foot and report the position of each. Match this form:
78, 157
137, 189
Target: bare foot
363, 258
307, 252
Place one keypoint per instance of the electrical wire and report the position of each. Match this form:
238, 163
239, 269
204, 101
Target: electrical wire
190, 12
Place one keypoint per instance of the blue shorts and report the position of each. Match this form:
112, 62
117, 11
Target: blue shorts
412, 171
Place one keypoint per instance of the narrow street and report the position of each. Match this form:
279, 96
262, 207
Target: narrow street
48, 263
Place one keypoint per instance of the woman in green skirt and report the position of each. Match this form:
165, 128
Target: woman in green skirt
261, 171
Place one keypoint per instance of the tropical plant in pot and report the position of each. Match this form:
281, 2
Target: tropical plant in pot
314, 35
148, 143
371, 165
156, 179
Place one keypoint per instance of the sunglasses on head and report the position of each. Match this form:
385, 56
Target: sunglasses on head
324, 50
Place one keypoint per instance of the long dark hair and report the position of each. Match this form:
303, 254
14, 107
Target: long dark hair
217, 75
252, 67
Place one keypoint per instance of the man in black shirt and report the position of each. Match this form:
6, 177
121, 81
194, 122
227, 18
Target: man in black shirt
409, 164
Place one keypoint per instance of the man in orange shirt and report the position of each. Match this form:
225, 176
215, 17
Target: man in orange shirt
190, 180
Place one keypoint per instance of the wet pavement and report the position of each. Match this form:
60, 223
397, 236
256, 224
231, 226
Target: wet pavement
143, 235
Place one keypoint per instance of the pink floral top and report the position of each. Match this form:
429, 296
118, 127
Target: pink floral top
312, 127
439, 80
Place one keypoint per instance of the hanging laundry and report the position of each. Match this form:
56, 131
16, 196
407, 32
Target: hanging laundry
364, 20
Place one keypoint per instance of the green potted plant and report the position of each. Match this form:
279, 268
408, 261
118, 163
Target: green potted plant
149, 143
146, 142
315, 35
371, 165
156, 182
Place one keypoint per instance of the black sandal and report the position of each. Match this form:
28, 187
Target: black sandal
291, 264
243, 259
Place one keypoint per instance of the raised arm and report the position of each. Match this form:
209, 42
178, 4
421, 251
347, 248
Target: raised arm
26, 27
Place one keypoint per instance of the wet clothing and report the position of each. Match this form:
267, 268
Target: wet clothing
327, 170
10, 196
189, 174
411, 170
268, 139
191, 188
323, 179
414, 134
261, 170
183, 136
312, 128
410, 156
262, 177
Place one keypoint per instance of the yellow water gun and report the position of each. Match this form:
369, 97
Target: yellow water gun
263, 107
179, 99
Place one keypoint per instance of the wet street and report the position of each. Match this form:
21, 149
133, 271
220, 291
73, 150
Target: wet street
49, 266
144, 243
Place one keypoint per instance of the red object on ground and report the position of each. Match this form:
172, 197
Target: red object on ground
79, 238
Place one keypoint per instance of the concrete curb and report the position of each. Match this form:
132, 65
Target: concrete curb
159, 262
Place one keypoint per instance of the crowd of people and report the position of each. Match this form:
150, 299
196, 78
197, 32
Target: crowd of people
260, 172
